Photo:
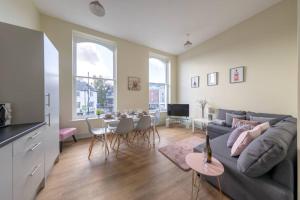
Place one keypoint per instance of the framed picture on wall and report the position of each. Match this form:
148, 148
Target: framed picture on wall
134, 83
195, 81
212, 79
237, 74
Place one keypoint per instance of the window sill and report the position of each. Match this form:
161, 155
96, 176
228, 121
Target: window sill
83, 119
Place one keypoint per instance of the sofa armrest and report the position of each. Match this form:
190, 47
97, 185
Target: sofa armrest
284, 174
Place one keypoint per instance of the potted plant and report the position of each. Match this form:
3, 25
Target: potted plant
99, 112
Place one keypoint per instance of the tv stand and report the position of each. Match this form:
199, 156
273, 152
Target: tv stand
182, 120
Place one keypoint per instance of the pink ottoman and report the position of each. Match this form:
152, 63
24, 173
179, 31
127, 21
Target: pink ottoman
66, 133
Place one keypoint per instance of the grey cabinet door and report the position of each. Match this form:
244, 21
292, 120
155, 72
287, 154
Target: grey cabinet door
51, 70
21, 76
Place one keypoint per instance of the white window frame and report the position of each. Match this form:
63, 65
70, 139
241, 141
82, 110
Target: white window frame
76, 38
167, 84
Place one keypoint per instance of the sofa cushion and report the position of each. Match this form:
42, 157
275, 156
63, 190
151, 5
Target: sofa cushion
221, 113
219, 122
220, 151
276, 117
244, 140
261, 119
236, 133
230, 116
241, 122
220, 130
268, 150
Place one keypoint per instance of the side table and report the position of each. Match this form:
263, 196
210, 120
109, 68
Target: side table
198, 165
203, 121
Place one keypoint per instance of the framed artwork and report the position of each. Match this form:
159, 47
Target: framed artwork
212, 79
237, 74
134, 83
195, 81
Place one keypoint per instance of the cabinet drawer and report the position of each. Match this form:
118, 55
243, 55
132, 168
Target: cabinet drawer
26, 142
26, 185
25, 161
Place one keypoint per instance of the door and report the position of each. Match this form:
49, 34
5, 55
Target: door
51, 70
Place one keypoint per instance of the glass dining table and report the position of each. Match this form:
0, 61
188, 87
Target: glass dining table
113, 122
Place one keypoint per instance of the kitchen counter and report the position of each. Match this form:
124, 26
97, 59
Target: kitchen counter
10, 133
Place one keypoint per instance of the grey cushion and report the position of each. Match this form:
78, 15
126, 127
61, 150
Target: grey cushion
219, 122
268, 150
261, 119
276, 117
230, 116
221, 113
219, 130
236, 133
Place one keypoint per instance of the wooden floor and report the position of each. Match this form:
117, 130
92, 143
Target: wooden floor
137, 174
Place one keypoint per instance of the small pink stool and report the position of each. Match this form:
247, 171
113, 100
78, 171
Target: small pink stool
65, 133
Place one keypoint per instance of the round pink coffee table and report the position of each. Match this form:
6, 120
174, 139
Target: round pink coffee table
196, 162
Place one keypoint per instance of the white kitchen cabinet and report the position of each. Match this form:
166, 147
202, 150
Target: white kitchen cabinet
32, 62
6, 173
28, 164
51, 74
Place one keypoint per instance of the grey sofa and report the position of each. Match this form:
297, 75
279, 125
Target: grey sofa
278, 183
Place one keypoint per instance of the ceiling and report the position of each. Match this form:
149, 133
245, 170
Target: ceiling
160, 24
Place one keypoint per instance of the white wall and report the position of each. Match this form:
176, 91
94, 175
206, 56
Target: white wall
267, 45
19, 12
298, 126
132, 60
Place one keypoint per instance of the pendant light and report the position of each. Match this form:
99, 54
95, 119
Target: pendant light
187, 44
97, 9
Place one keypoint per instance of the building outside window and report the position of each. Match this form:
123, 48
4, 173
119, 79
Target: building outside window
158, 84
94, 75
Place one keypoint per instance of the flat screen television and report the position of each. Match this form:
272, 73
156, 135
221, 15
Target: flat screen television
180, 110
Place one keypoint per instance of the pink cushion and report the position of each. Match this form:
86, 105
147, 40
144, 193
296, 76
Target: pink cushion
244, 140
66, 132
241, 122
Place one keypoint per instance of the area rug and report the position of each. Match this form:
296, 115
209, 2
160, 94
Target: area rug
176, 152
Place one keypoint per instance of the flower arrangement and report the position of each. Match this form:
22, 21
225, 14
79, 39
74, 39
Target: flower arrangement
203, 103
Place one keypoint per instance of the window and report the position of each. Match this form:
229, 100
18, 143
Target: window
94, 75
158, 84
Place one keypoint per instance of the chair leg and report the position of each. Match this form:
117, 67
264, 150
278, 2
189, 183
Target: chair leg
118, 137
106, 146
60, 146
157, 134
74, 138
91, 147
111, 139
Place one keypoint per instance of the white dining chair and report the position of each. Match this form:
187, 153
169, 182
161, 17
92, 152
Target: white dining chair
98, 134
124, 128
155, 123
143, 128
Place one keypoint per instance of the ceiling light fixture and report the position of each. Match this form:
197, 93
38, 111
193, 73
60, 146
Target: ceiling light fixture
97, 9
188, 44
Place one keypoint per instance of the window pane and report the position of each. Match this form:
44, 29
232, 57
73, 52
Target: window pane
92, 95
86, 97
94, 60
157, 96
105, 95
157, 71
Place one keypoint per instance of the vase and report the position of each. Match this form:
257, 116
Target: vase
202, 112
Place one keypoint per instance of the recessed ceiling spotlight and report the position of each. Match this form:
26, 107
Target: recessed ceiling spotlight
188, 44
97, 9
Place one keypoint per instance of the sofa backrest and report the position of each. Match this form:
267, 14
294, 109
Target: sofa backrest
221, 113
267, 115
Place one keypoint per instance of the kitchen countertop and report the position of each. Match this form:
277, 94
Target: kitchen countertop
11, 133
